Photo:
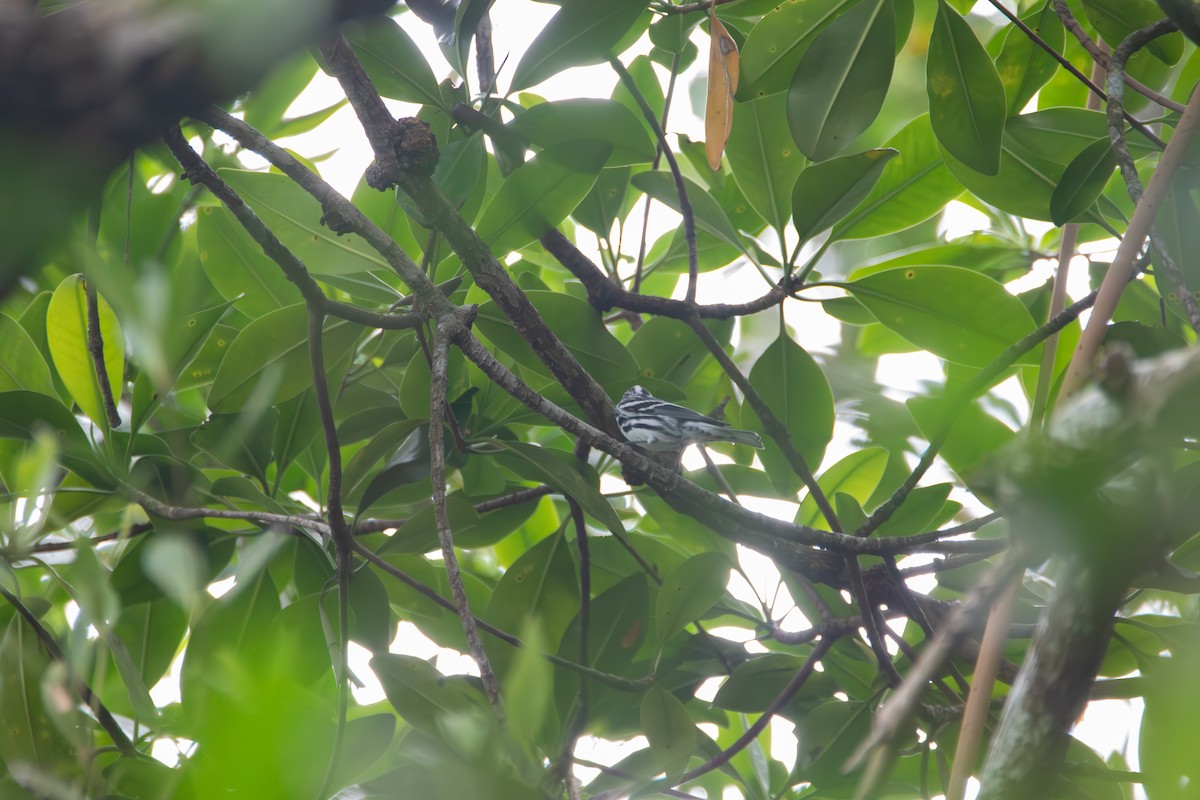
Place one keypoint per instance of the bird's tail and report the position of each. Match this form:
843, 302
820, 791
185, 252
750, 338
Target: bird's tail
738, 436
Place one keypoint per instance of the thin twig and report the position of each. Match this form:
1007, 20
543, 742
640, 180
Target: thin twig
80, 686
685, 205
95, 346
771, 424
782, 699
1071, 68
199, 172
658, 151
1133, 182
891, 721
343, 541
991, 651
872, 621
1100, 57
1124, 265
603, 294
958, 401
437, 476
615, 681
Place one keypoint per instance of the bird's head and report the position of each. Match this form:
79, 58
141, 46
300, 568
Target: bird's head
634, 393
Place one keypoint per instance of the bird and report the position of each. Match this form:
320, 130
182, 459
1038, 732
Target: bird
664, 427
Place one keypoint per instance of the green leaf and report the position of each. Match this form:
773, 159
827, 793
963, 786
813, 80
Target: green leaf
777, 43
544, 465
1082, 182
269, 101
540, 585
922, 506
842, 79
577, 324
966, 98
67, 329
382, 209
240, 441
371, 622
690, 591
582, 119
268, 361
237, 266
421, 694
31, 735
467, 17
641, 69
856, 475
24, 413
669, 729
1024, 66
669, 350
1036, 150
367, 740
764, 158
672, 32
956, 314
795, 389
914, 186
580, 33
408, 464
826, 192
21, 365
605, 202
223, 637
539, 195
528, 689
707, 211
393, 61
974, 436
1116, 19
295, 217
395, 440
152, 633
754, 684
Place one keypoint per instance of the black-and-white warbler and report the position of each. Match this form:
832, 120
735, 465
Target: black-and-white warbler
665, 427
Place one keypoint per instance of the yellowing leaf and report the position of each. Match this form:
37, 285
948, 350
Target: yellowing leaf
723, 65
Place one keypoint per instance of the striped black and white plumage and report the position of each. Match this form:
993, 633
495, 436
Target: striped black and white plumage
665, 427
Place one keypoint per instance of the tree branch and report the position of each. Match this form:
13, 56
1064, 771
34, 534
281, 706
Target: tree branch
437, 477
1071, 68
89, 698
95, 346
1124, 264
1100, 57
685, 205
603, 294
197, 170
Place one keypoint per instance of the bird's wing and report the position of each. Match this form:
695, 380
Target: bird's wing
679, 412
